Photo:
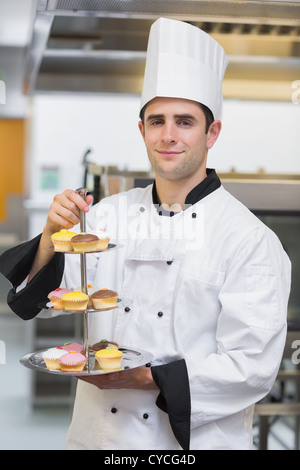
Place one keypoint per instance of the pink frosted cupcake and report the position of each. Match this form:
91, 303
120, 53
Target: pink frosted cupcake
76, 347
55, 297
72, 362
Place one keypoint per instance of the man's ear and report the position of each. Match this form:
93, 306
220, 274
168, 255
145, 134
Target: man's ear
213, 133
141, 128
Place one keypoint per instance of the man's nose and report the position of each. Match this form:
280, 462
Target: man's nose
169, 134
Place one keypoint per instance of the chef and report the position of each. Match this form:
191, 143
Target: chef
205, 283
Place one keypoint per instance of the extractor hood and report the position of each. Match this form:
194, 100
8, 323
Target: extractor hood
100, 45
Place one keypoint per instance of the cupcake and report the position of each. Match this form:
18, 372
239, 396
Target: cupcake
73, 347
55, 297
62, 240
84, 242
52, 356
109, 359
103, 239
90, 290
104, 298
72, 362
103, 344
75, 301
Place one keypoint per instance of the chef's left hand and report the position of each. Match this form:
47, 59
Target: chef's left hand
139, 378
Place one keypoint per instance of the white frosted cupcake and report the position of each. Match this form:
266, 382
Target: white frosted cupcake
51, 357
103, 238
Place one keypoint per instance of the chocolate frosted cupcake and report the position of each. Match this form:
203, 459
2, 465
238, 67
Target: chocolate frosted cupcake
103, 344
104, 298
84, 242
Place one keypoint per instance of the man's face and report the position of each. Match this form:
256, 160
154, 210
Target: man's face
174, 135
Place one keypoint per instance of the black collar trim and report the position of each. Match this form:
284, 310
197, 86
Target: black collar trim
203, 189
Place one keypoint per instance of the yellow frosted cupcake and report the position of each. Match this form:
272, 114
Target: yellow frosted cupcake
62, 240
75, 301
109, 359
90, 290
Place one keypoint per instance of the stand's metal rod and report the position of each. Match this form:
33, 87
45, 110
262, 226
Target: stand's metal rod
82, 192
83, 273
86, 343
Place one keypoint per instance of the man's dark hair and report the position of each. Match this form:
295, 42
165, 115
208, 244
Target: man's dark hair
209, 117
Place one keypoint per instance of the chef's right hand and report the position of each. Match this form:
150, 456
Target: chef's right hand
65, 211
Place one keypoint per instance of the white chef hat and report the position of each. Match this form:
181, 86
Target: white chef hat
184, 62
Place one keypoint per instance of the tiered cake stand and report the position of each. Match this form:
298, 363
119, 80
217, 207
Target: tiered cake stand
131, 357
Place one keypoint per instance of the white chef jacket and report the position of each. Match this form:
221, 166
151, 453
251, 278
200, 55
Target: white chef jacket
210, 286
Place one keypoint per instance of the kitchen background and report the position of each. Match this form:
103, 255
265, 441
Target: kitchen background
71, 74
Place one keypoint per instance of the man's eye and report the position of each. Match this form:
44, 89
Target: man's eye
184, 123
157, 122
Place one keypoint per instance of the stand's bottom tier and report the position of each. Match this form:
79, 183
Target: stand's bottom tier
131, 358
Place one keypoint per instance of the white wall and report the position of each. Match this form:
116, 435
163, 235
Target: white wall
65, 126
254, 135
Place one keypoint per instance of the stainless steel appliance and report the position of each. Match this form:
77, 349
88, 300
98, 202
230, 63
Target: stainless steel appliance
275, 199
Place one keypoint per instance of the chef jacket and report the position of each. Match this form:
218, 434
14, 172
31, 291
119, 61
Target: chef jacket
205, 291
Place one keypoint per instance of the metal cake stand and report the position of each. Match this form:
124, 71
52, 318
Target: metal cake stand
131, 357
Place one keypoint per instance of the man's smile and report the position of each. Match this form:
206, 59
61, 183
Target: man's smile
169, 153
